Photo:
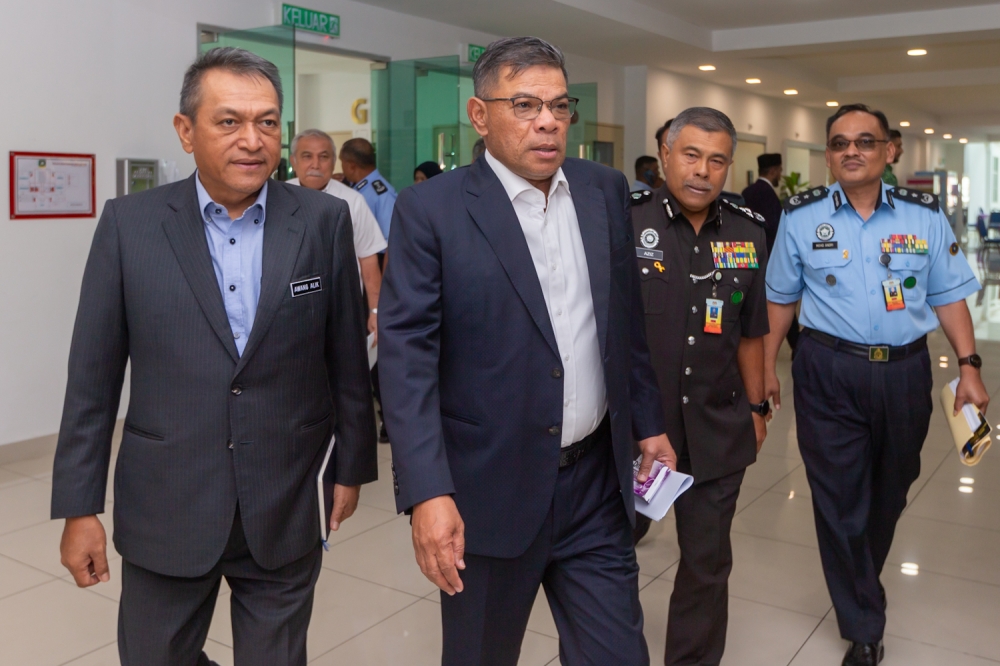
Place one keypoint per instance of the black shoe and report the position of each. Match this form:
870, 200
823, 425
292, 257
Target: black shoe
864, 654
383, 436
642, 524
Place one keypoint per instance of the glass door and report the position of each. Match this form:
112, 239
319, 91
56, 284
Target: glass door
277, 44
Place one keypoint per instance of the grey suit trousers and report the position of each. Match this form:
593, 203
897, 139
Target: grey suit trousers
164, 620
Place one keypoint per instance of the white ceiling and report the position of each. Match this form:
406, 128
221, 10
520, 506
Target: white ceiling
844, 50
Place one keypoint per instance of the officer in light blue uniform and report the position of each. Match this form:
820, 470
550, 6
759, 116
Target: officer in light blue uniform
876, 269
357, 156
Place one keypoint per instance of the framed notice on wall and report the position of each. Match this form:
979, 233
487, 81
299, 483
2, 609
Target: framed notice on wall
52, 185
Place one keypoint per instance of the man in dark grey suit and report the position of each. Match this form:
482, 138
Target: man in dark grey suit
236, 299
516, 375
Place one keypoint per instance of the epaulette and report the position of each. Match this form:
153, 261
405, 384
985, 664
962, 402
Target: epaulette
642, 197
920, 197
745, 212
805, 198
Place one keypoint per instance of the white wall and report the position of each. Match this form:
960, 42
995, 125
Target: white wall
104, 79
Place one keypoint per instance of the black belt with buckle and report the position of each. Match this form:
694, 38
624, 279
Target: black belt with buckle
577, 450
873, 353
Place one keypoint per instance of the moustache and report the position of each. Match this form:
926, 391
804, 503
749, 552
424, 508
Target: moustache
315, 174
698, 184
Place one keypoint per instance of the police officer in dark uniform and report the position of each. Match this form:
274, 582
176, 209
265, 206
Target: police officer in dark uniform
701, 263
877, 268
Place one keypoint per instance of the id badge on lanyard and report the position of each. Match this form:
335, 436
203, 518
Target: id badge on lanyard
891, 287
713, 316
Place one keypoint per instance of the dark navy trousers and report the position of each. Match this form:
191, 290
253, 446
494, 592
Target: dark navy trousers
584, 558
861, 426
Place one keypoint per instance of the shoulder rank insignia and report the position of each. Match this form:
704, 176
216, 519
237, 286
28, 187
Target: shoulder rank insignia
744, 211
920, 197
642, 197
805, 198
379, 187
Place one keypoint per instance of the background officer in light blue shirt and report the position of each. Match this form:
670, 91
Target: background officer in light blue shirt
357, 156
876, 269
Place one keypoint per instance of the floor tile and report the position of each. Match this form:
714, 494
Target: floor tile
380, 493
364, 519
8, 478
747, 497
36, 468
38, 545
768, 470
85, 623
24, 504
105, 656
941, 499
778, 574
16, 577
947, 548
658, 550
760, 635
780, 517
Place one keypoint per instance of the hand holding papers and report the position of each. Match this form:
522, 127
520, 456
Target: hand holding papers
969, 428
655, 497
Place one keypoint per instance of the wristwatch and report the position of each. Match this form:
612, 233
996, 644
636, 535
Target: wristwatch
973, 359
763, 408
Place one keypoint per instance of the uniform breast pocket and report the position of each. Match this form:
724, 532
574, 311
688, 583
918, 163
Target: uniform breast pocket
909, 265
655, 281
732, 290
830, 269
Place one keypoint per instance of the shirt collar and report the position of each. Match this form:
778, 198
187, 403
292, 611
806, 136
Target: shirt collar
673, 209
838, 200
515, 185
208, 207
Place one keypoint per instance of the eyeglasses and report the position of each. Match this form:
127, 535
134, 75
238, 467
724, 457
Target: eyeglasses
529, 108
865, 144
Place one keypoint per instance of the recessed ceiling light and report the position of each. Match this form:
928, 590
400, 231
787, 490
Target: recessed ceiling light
916, 52
832, 103
791, 91
707, 68
753, 81
904, 123
946, 136
963, 140
929, 130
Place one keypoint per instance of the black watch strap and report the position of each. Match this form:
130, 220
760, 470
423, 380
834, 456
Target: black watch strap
762, 408
973, 359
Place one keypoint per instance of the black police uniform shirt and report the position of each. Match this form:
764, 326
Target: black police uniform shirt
685, 276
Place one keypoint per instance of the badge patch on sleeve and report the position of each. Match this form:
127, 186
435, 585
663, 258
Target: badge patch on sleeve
904, 244
953, 249
379, 187
307, 286
734, 255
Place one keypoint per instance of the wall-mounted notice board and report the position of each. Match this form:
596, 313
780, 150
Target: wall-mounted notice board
52, 185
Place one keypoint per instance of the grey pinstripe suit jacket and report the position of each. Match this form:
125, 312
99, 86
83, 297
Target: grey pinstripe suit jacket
150, 296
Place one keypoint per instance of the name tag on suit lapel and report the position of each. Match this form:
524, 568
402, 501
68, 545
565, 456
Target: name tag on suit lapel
307, 286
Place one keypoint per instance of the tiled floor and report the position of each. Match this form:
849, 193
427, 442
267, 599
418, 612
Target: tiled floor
374, 607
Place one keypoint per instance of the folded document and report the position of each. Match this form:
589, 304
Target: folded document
969, 428
654, 497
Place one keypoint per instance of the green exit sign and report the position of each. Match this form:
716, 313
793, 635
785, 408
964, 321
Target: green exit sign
475, 51
311, 20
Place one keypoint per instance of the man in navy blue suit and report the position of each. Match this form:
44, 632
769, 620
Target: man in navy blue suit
515, 375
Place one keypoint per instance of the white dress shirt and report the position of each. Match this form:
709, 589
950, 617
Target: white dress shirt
556, 246
368, 238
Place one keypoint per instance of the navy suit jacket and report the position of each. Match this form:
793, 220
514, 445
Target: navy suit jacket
761, 198
470, 372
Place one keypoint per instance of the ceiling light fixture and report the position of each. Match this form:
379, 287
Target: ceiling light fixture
833, 103
707, 68
946, 136
753, 81
904, 123
916, 52
791, 91
963, 140
929, 130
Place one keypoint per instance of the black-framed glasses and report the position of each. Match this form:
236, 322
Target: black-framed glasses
529, 108
865, 144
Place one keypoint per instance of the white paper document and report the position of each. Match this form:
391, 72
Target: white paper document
324, 488
372, 351
654, 498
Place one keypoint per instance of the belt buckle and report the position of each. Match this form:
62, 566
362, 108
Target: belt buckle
878, 354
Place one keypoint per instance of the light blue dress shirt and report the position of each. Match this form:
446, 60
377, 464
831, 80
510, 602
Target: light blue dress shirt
826, 255
380, 197
237, 248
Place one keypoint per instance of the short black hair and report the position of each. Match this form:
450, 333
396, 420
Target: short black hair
895, 134
641, 162
360, 151
517, 54
230, 59
863, 108
660, 132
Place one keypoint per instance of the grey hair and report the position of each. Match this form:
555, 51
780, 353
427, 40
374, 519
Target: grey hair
231, 59
705, 119
518, 54
313, 132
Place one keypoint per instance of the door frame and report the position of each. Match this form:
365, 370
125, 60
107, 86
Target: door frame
306, 44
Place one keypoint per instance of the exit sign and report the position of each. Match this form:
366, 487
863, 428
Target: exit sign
475, 51
311, 20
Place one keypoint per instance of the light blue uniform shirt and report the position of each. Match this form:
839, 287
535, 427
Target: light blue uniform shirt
380, 197
828, 257
236, 247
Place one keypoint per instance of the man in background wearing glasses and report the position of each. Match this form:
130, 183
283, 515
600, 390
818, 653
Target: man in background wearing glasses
877, 269
515, 375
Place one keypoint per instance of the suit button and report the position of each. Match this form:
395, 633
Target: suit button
690, 339
685, 400
687, 371
694, 309
229, 444
556, 373
696, 249
237, 390
554, 430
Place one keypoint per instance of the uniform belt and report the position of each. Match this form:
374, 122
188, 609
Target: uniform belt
577, 450
873, 353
